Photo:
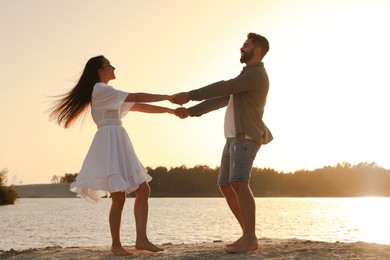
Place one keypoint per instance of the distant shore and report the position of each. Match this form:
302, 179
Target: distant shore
60, 190
268, 249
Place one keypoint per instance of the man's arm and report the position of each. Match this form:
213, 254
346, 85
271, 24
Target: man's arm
208, 106
202, 108
249, 81
246, 82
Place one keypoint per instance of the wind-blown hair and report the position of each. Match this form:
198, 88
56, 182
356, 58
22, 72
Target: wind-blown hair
70, 106
259, 41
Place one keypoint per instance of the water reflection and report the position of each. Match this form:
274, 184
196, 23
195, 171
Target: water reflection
369, 217
76, 222
327, 219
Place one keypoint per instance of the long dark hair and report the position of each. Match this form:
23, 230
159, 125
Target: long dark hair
70, 106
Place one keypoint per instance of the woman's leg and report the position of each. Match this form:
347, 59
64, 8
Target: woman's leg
141, 208
118, 201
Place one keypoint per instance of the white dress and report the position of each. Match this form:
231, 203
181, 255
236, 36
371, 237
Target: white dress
111, 164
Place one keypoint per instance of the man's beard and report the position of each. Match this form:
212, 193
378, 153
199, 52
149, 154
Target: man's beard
247, 56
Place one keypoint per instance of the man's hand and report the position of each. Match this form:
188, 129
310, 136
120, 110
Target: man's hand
180, 98
181, 112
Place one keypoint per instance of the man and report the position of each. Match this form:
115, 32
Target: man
245, 98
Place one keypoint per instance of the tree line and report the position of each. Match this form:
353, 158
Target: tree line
340, 180
8, 194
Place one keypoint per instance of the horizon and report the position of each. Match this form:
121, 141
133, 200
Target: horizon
373, 165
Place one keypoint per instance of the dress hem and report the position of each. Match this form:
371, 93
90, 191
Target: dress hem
85, 189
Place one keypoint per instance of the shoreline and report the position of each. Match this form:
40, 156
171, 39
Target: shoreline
268, 249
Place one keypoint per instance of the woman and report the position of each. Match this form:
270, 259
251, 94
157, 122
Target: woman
111, 165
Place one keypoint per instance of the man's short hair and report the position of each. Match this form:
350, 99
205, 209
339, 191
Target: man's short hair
259, 41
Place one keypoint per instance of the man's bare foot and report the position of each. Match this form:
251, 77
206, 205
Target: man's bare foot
245, 246
146, 245
120, 251
235, 243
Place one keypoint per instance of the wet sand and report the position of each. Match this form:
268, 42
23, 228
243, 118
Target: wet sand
268, 249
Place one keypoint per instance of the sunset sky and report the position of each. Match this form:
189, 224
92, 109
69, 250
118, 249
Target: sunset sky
328, 66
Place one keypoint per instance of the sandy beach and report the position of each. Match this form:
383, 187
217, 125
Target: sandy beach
268, 249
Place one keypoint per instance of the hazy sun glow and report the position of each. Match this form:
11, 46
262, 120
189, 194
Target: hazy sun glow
327, 64
369, 215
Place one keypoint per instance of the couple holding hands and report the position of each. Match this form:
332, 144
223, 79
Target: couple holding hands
111, 166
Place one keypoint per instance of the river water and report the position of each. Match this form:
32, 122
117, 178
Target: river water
35, 223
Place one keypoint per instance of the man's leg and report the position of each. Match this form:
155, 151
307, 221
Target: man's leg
246, 204
242, 154
232, 201
226, 188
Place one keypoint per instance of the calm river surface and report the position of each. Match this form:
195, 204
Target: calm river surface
33, 223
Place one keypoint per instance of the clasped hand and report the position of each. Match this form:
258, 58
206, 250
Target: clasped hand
180, 99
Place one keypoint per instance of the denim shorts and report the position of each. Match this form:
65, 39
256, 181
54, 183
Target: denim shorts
237, 160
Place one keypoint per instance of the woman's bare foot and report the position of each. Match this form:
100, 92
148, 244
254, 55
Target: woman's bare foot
245, 246
120, 251
147, 245
235, 243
